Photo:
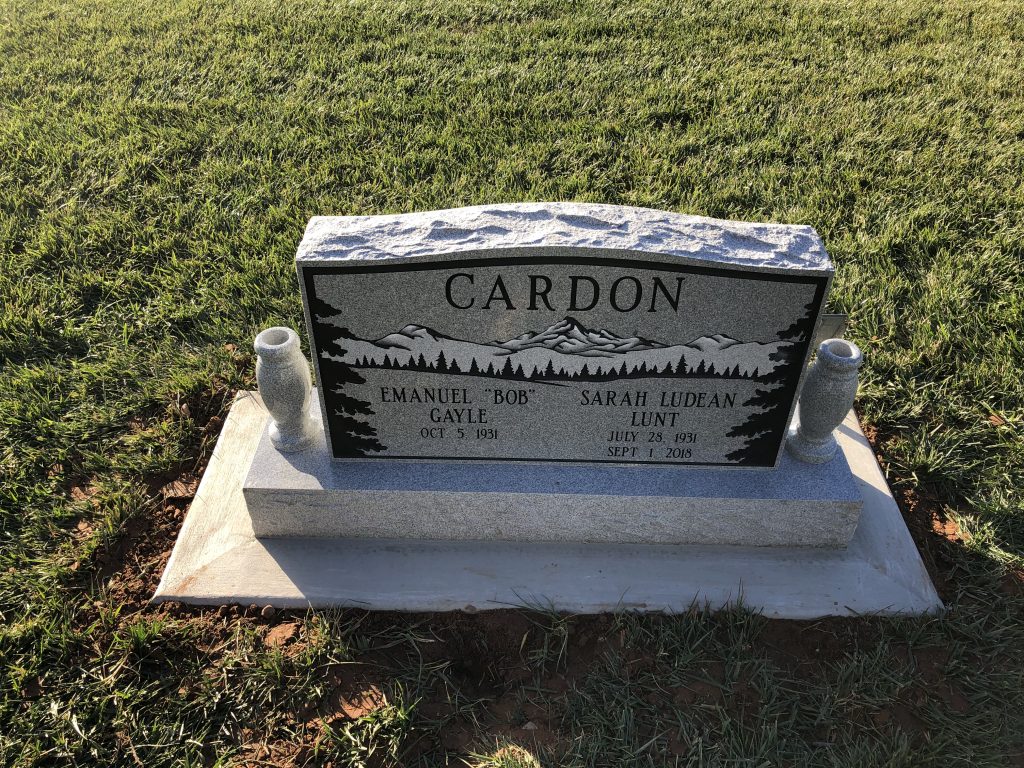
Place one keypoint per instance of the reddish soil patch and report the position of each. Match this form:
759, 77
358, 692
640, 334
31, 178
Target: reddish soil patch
1013, 583
356, 700
181, 488
804, 647
281, 635
83, 492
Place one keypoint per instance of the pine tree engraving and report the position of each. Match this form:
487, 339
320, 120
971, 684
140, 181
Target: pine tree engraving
350, 436
764, 428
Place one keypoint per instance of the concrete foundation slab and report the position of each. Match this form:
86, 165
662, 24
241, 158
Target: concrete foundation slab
218, 559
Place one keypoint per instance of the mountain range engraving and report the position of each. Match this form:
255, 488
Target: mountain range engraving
566, 350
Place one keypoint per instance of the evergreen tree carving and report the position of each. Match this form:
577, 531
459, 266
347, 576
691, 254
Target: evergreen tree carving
350, 435
764, 428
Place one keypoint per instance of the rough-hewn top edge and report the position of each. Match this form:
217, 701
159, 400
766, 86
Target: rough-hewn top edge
581, 225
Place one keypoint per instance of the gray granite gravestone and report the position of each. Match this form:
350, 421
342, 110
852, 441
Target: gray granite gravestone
569, 333
586, 407
557, 372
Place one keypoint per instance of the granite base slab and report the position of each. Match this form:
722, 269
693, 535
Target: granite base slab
310, 494
217, 559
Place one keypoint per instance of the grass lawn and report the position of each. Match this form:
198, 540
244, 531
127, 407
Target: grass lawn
158, 162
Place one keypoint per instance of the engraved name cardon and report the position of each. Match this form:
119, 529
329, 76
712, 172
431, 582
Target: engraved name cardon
512, 344
579, 293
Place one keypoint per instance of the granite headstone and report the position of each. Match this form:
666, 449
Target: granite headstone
566, 333
545, 404
551, 372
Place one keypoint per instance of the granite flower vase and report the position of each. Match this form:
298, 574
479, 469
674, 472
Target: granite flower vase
284, 381
827, 397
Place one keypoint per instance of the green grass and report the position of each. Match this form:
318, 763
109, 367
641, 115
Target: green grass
158, 163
